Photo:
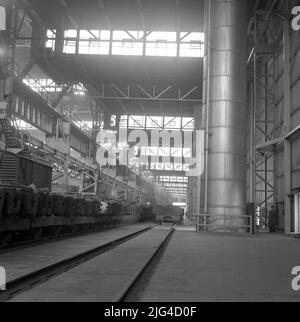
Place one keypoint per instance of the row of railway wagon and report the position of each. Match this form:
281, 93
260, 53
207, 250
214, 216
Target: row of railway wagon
29, 211
28, 214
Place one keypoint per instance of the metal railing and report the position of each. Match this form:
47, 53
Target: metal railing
193, 217
209, 223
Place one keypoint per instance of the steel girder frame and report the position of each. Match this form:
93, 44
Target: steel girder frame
264, 118
63, 163
131, 93
265, 115
88, 176
14, 82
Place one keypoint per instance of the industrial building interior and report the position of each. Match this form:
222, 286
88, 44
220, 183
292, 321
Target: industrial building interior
161, 138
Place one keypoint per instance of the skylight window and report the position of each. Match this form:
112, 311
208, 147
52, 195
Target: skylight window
172, 123
127, 43
161, 44
191, 44
168, 36
71, 33
188, 124
94, 42
131, 43
70, 41
154, 122
51, 36
136, 122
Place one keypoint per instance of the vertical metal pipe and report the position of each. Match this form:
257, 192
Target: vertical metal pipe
226, 111
207, 101
287, 122
254, 113
252, 164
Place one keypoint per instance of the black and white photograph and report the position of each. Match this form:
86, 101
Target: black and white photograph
149, 154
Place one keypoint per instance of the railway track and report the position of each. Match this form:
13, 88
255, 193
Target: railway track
131, 291
27, 282
128, 292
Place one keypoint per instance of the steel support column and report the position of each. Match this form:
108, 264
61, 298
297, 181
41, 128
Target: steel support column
225, 104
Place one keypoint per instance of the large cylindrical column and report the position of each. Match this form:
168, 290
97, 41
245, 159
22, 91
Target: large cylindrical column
225, 104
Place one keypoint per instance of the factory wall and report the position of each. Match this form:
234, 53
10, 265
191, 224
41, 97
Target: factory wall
275, 85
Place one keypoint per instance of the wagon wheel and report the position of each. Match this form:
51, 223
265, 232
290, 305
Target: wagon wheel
75, 229
5, 238
57, 231
37, 233
85, 228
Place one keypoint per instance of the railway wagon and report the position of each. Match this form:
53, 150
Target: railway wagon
169, 214
147, 214
28, 209
19, 170
27, 214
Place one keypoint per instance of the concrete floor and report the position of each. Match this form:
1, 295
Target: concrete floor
102, 278
24, 261
213, 267
194, 267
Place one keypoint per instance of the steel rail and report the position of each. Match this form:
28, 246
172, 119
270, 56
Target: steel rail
135, 283
33, 279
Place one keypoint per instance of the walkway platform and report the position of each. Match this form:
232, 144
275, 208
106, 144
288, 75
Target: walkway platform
101, 279
224, 267
30, 259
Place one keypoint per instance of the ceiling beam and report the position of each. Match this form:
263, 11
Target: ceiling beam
69, 14
141, 14
106, 17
